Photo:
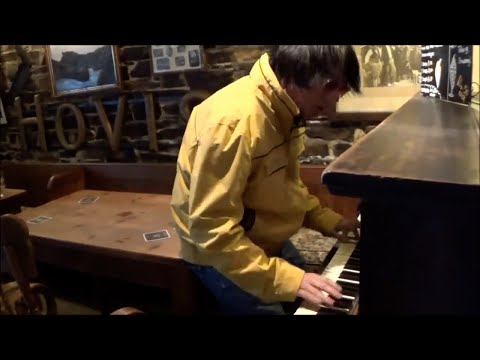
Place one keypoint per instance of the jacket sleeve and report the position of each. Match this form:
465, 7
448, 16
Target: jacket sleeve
219, 176
317, 217
320, 218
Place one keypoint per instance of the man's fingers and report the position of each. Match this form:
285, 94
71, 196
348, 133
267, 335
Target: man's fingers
315, 296
333, 291
341, 237
328, 286
333, 284
357, 234
326, 300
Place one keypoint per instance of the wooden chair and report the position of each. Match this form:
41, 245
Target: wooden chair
21, 297
65, 182
127, 310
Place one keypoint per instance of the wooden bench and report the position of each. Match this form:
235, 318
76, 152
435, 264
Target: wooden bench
48, 181
42, 182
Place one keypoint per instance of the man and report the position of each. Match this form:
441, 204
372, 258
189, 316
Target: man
237, 196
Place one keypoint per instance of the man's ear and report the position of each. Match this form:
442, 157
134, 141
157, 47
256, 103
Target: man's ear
290, 88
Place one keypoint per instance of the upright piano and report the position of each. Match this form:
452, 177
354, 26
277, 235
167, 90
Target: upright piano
418, 175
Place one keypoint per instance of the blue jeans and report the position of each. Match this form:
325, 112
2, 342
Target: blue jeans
234, 300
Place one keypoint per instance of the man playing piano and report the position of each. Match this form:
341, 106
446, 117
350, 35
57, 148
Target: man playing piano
237, 196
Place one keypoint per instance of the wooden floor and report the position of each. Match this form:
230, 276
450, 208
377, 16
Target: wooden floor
81, 294
70, 307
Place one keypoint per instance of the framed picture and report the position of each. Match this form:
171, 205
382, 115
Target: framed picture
82, 68
390, 75
174, 58
3, 117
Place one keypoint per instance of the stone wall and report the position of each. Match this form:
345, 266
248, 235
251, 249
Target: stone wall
144, 122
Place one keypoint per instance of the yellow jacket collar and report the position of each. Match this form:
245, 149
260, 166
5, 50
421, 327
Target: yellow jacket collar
282, 104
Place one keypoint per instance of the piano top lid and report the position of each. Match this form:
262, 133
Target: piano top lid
426, 145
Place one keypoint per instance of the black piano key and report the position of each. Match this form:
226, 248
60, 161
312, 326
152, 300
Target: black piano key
331, 311
352, 265
348, 286
349, 289
353, 261
350, 292
349, 276
344, 303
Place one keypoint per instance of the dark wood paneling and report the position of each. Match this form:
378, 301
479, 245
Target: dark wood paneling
145, 178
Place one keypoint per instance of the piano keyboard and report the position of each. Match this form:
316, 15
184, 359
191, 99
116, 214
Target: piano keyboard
344, 268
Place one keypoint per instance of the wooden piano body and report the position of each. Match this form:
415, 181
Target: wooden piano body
418, 176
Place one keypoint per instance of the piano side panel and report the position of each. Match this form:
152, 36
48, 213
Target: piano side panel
420, 257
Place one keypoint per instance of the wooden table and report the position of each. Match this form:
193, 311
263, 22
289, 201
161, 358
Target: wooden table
105, 238
10, 200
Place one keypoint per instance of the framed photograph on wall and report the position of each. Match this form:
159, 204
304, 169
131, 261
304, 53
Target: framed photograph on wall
78, 69
390, 76
174, 58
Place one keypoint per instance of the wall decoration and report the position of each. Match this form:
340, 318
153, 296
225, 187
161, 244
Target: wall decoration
82, 68
389, 65
390, 76
447, 72
174, 58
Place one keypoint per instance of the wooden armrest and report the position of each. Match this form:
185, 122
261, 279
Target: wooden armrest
127, 310
65, 183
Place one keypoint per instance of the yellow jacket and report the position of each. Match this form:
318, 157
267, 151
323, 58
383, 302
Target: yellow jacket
237, 194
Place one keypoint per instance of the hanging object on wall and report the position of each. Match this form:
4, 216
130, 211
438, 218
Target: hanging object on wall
447, 72
175, 58
78, 69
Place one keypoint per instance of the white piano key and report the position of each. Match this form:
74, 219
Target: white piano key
332, 271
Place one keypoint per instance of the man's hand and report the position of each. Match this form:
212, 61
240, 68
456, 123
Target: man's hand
313, 286
346, 226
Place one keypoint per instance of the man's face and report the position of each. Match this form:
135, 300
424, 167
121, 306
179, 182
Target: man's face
320, 100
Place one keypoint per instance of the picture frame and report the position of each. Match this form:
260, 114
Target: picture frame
385, 91
176, 58
78, 69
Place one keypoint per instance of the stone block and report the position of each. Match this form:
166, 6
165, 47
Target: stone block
141, 69
134, 52
135, 129
329, 133
340, 147
209, 80
315, 147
